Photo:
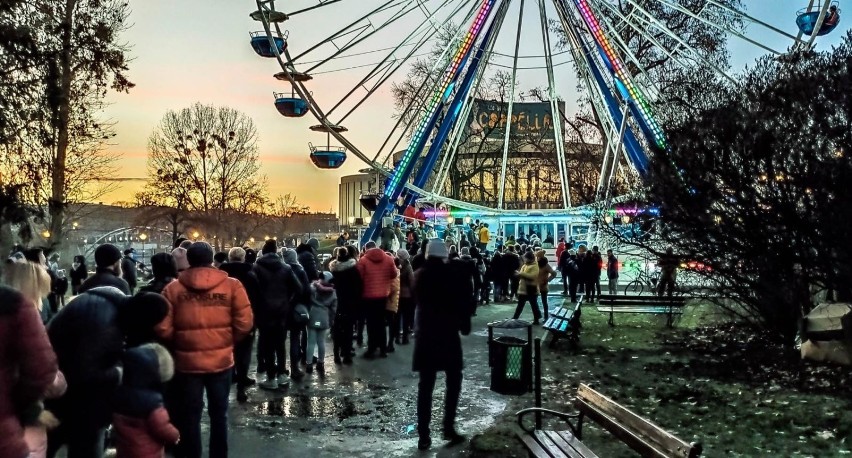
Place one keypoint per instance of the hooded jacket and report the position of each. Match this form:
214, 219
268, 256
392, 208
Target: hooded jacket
323, 306
88, 340
279, 288
308, 260
27, 367
208, 313
142, 425
348, 286
377, 270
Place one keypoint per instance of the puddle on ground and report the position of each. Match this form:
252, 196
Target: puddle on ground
304, 406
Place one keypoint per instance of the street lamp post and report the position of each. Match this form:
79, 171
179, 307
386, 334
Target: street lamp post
143, 237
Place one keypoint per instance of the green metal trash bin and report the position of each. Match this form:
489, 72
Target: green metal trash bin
510, 358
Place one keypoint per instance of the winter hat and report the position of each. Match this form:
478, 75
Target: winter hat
179, 255
290, 256
327, 278
107, 255
465, 251
437, 249
220, 257
199, 254
403, 254
163, 265
370, 245
269, 246
314, 243
128, 251
140, 314
147, 366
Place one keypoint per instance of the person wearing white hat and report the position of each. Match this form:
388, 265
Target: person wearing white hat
443, 311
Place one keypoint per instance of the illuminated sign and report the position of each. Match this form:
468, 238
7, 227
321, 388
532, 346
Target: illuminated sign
528, 118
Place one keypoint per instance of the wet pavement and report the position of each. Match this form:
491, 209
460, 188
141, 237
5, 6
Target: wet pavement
367, 409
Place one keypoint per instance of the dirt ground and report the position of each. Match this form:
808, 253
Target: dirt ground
717, 384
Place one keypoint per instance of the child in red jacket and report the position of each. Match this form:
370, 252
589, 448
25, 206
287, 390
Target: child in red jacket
141, 423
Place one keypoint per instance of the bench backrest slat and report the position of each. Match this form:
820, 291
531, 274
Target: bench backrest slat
640, 434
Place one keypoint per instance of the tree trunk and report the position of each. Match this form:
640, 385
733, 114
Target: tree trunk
58, 196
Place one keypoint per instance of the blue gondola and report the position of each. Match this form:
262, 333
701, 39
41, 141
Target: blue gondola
290, 105
328, 157
260, 44
807, 21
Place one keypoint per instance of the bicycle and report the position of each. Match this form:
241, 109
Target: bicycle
643, 279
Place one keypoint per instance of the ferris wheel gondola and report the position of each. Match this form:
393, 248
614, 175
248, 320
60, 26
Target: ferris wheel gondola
824, 22
392, 34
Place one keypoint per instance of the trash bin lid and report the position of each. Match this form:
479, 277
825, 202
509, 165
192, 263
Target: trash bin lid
510, 324
511, 341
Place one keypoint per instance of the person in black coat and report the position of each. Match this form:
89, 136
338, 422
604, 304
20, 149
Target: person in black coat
128, 269
589, 271
419, 258
349, 288
89, 342
78, 273
443, 311
563, 265
108, 270
280, 289
511, 263
236, 267
308, 260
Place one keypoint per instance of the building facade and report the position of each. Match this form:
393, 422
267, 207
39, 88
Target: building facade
349, 200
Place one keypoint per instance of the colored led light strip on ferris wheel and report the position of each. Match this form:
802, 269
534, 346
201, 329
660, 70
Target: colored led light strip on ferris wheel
620, 72
443, 92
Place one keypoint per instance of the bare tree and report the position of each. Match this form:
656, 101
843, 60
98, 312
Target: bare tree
203, 161
754, 191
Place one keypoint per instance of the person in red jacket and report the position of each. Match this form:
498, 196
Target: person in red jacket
208, 313
28, 367
377, 270
141, 423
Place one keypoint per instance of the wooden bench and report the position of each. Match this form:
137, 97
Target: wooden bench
612, 304
641, 435
564, 322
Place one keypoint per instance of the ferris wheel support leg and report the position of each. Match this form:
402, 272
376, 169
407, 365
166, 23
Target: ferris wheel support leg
453, 112
372, 231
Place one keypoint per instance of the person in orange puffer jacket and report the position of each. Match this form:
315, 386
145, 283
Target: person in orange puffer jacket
377, 271
141, 423
208, 313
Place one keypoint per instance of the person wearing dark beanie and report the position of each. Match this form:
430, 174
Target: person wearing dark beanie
208, 313
270, 246
139, 315
108, 270
199, 254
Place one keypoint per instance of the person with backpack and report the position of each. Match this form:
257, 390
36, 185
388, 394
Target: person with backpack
279, 289
322, 314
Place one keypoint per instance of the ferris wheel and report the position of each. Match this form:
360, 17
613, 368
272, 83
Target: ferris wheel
357, 50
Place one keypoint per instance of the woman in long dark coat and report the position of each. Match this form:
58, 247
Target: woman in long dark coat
443, 311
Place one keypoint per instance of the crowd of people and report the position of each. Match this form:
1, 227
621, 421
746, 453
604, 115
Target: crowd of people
142, 356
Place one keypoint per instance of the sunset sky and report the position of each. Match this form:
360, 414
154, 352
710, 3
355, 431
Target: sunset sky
198, 50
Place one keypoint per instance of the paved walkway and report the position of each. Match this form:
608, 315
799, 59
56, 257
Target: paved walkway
367, 409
